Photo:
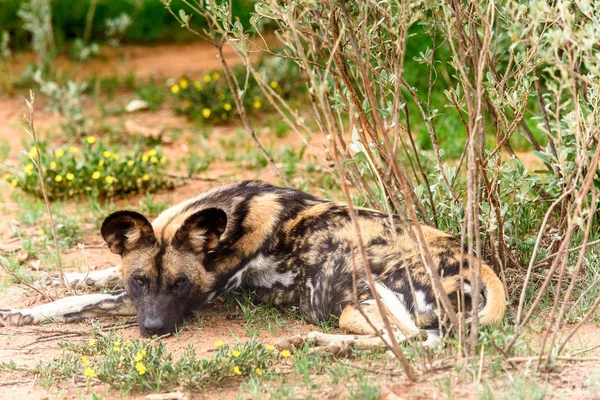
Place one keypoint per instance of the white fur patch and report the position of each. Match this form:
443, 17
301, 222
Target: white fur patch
263, 273
312, 291
211, 296
397, 309
236, 280
422, 304
433, 338
467, 288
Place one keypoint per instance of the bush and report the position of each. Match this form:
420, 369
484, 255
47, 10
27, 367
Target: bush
92, 169
152, 93
209, 99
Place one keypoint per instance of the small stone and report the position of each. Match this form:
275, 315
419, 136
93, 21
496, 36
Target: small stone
136, 105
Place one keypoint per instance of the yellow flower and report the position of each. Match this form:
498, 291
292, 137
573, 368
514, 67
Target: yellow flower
206, 113
285, 353
58, 178
183, 83
90, 139
216, 76
42, 232
90, 373
101, 163
96, 175
110, 179
236, 370
207, 78
33, 152
6, 176
256, 103
73, 149
198, 85
236, 353
106, 154
70, 176
29, 167
163, 159
138, 357
141, 368
59, 153
274, 84
130, 162
154, 159
269, 347
14, 182
145, 177
117, 348
115, 156
259, 371
227, 107
175, 89
152, 152
84, 360
53, 165
145, 158
92, 342
218, 343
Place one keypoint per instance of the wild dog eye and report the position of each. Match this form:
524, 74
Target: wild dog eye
180, 282
139, 281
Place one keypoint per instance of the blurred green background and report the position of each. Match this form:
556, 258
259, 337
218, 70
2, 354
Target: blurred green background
152, 22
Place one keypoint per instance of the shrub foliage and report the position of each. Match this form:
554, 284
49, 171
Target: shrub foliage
91, 169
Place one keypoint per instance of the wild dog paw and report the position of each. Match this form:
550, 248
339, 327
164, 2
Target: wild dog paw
9, 317
72, 279
103, 278
290, 343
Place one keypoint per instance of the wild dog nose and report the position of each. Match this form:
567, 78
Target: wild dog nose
154, 325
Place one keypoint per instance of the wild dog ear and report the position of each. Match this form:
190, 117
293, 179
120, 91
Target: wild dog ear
126, 230
202, 230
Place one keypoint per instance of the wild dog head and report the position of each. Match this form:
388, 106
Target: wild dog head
166, 278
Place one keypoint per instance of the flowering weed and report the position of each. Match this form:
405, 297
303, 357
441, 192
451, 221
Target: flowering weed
207, 98
92, 169
136, 365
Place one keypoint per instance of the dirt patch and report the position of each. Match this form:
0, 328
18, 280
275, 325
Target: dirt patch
159, 61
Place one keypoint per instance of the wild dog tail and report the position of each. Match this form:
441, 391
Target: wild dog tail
495, 305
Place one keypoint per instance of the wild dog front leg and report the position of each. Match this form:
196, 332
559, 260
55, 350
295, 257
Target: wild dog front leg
71, 309
109, 277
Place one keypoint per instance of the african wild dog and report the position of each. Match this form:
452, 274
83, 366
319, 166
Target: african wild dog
290, 248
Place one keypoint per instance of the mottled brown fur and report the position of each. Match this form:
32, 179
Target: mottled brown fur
292, 249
